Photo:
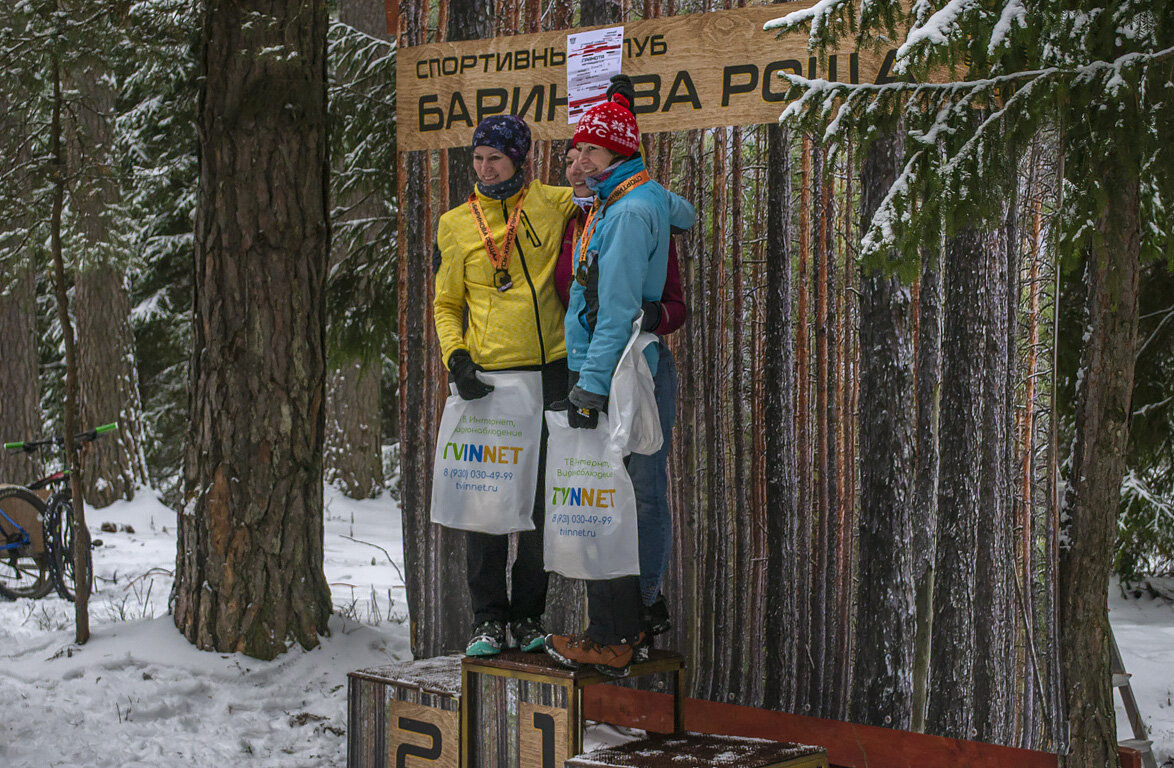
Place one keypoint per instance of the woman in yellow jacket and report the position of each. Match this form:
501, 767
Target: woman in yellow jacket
496, 308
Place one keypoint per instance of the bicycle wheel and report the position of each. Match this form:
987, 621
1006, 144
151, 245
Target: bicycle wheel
25, 570
59, 533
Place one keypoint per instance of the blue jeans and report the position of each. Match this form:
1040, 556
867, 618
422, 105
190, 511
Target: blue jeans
650, 481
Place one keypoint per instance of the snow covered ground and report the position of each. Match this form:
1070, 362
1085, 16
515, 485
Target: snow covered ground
138, 695
1144, 628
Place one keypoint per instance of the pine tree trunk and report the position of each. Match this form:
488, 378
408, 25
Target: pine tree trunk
108, 379
743, 674
20, 387
835, 692
882, 694
352, 457
819, 557
434, 556
1089, 513
249, 572
367, 16
994, 579
718, 514
109, 384
59, 169
925, 486
20, 383
950, 705
782, 523
804, 449
596, 12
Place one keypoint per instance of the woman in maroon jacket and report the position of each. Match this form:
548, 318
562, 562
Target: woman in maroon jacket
649, 473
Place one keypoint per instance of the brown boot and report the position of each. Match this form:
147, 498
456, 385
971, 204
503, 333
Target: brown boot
575, 651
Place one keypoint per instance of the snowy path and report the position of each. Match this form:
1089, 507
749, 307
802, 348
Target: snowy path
138, 695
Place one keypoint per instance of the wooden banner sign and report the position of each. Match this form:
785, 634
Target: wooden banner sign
698, 71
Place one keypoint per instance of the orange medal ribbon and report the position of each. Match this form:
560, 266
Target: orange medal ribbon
596, 213
500, 257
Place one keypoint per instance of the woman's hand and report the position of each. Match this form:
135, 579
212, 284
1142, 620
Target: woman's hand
464, 373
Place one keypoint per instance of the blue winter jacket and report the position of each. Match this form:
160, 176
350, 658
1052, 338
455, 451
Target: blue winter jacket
627, 259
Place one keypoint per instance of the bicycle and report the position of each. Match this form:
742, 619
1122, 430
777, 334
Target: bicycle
37, 549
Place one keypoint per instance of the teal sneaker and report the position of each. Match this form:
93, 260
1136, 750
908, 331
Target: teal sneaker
487, 640
528, 634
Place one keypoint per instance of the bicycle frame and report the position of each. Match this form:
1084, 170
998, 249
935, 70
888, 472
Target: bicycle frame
17, 544
58, 556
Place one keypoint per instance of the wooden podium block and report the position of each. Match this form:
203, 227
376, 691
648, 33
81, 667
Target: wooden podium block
695, 750
405, 715
524, 710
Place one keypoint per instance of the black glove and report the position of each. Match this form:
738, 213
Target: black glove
582, 418
577, 418
464, 373
584, 408
651, 315
622, 84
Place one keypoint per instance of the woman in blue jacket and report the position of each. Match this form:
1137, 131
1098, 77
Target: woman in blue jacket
620, 262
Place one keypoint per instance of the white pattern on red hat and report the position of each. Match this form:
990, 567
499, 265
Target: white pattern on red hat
610, 125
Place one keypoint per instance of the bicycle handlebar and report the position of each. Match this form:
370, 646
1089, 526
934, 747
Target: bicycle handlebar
31, 445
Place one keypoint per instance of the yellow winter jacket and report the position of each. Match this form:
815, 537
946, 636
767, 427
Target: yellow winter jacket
517, 327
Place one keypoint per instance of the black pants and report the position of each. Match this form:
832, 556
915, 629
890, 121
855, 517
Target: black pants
613, 610
486, 553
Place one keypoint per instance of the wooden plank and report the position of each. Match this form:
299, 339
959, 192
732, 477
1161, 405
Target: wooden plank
1130, 758
848, 745
693, 71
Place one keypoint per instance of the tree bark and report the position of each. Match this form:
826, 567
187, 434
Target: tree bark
20, 388
367, 16
20, 383
950, 705
352, 457
925, 486
434, 556
59, 168
782, 522
596, 12
994, 579
883, 692
1089, 512
108, 379
818, 691
249, 572
803, 430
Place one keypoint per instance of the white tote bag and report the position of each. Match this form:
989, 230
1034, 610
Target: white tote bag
590, 506
486, 466
635, 420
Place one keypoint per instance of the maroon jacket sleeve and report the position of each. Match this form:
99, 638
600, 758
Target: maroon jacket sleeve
672, 300
564, 270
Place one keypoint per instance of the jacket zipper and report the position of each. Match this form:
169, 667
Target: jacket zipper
533, 292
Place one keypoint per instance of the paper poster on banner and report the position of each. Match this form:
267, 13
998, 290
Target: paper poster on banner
592, 58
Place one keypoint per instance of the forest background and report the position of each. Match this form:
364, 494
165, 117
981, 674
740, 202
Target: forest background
813, 373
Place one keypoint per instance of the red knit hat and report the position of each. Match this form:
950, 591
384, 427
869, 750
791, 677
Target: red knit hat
610, 125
